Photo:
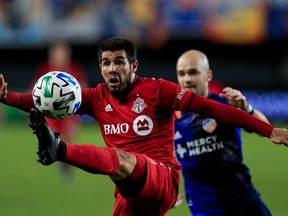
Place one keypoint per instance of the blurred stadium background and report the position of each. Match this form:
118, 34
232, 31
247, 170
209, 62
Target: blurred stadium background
246, 42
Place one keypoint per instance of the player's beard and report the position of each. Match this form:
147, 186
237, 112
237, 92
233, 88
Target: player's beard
125, 86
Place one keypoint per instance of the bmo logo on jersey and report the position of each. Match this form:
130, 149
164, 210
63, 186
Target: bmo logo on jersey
142, 125
116, 129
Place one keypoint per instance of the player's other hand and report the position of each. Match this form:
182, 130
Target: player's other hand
3, 88
280, 136
234, 97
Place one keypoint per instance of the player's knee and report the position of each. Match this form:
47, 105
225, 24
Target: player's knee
127, 162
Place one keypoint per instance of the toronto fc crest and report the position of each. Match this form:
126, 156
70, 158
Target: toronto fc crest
139, 105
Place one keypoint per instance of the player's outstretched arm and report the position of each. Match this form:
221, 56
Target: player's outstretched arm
279, 136
15, 99
3, 88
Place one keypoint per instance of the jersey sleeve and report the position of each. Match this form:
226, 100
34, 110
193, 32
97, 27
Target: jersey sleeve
173, 97
19, 100
228, 114
90, 97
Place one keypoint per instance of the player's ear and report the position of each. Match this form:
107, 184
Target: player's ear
209, 75
134, 66
100, 67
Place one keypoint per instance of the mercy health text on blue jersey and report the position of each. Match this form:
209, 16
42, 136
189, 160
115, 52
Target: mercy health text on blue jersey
199, 146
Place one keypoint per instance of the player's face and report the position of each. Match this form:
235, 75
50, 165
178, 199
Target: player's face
191, 75
117, 72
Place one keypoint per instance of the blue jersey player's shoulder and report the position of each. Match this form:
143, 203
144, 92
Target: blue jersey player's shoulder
217, 98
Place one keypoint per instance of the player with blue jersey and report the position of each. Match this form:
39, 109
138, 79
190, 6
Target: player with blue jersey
217, 182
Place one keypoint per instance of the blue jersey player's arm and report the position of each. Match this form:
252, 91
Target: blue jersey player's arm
235, 98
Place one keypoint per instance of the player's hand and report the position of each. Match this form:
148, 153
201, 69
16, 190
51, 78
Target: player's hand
3, 88
234, 98
279, 136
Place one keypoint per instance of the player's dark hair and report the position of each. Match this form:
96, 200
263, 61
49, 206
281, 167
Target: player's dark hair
118, 43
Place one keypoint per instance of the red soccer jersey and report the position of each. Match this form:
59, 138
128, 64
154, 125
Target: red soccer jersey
142, 121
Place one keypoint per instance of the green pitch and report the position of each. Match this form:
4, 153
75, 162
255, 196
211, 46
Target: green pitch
28, 188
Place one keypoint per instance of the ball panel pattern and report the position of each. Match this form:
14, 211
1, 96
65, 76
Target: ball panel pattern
57, 95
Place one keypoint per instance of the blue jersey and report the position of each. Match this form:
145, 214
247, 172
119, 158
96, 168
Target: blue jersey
216, 180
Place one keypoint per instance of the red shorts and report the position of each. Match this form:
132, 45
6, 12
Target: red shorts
158, 195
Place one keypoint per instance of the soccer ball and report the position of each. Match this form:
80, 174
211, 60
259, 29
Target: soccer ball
57, 95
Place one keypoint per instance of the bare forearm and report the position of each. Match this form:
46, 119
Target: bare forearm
259, 115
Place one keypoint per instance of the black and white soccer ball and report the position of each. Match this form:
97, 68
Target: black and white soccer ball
57, 95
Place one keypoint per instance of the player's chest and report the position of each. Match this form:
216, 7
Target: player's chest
127, 110
193, 126
137, 114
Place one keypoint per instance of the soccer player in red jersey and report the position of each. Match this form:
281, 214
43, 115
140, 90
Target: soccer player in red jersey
59, 58
136, 117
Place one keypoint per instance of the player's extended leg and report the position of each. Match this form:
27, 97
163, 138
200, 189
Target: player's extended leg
116, 163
